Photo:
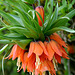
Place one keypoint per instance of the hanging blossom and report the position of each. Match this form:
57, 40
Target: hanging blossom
41, 56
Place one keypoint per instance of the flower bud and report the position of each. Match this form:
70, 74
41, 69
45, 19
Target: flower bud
40, 10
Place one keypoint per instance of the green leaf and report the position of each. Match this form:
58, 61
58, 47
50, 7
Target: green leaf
17, 19
8, 18
45, 6
49, 32
24, 31
51, 3
2, 50
1, 29
29, 1
52, 19
15, 36
60, 22
23, 43
70, 14
6, 42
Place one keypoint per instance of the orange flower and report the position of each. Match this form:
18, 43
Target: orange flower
41, 56
16, 52
57, 45
38, 58
57, 38
40, 10
71, 49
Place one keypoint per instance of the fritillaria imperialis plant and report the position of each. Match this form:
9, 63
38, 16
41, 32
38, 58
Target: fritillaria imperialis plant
31, 35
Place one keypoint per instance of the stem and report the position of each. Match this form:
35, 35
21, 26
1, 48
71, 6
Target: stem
3, 62
69, 67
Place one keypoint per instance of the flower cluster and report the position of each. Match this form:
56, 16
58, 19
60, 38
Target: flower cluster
40, 56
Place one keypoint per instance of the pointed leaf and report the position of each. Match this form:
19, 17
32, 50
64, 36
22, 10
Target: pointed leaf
52, 19
24, 31
58, 29
60, 22
3, 48
23, 43
70, 14
5, 42
9, 18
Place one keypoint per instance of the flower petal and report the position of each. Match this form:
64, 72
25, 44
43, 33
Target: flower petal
57, 38
50, 51
38, 49
58, 58
55, 47
16, 52
43, 46
31, 49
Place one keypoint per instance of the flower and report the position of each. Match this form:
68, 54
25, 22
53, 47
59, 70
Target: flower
40, 10
16, 52
41, 56
71, 48
58, 45
38, 59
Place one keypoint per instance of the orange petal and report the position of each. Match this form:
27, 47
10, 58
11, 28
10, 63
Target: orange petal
38, 49
40, 10
31, 49
58, 58
45, 43
44, 67
16, 52
50, 51
37, 71
55, 47
51, 66
64, 54
22, 54
31, 62
62, 49
43, 46
24, 61
11, 54
57, 38
43, 57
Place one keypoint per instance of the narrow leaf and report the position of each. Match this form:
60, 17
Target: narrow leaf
2, 50
70, 14
49, 32
60, 22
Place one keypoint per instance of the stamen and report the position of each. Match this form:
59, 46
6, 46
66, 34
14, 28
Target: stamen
49, 73
54, 63
32, 73
37, 63
43, 73
18, 63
